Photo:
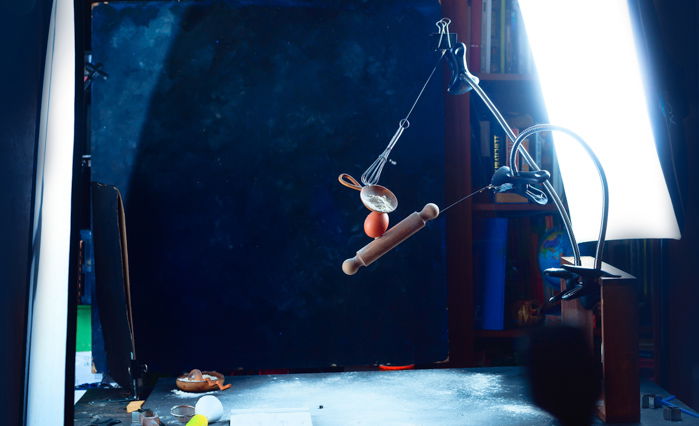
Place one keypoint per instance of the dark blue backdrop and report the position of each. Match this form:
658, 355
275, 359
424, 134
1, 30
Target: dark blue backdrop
226, 124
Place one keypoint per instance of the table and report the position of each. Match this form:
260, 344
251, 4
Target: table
409, 397
474, 396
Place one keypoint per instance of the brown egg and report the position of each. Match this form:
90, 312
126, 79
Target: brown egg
376, 224
196, 375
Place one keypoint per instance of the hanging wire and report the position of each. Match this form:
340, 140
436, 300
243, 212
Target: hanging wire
466, 198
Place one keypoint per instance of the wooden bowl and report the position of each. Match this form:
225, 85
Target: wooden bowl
188, 385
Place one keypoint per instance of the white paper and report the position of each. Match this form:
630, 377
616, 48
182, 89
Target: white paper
271, 416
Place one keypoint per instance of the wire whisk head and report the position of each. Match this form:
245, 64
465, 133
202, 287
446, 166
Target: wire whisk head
372, 174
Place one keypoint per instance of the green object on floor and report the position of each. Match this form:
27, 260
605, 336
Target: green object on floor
83, 338
198, 420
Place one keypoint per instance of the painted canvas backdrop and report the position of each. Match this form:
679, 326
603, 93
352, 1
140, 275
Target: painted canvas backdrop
225, 125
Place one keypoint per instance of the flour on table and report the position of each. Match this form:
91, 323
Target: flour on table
182, 394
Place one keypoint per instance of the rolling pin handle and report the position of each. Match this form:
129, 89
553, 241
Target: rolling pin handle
429, 212
351, 266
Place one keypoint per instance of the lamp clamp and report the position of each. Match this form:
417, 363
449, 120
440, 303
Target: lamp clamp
581, 282
506, 180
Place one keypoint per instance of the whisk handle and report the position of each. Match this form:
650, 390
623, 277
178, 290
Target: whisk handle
394, 236
349, 181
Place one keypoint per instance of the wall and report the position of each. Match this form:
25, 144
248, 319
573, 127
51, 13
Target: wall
677, 51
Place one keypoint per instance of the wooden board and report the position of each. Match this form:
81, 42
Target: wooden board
620, 401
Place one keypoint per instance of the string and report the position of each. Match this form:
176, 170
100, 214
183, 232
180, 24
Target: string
466, 198
425, 85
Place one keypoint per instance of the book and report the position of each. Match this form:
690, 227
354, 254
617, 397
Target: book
503, 28
495, 37
497, 152
513, 38
476, 21
509, 144
498, 38
490, 258
556, 180
484, 140
538, 150
483, 172
481, 161
509, 197
523, 57
510, 29
486, 26
547, 155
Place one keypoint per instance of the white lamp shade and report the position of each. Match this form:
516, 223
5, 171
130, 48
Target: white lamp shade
590, 76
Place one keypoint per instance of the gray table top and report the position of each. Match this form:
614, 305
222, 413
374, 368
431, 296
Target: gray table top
412, 397
476, 396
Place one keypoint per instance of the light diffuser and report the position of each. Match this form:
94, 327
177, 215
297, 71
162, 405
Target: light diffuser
591, 80
48, 310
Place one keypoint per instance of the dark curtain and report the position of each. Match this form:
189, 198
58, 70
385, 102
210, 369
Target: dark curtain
23, 33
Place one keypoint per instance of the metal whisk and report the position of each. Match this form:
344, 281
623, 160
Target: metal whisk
372, 174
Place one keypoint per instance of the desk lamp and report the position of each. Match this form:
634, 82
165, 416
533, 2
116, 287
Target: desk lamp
606, 106
609, 109
510, 179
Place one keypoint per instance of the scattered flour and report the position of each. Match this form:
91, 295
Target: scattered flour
182, 394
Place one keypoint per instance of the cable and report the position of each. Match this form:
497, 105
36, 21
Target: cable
516, 146
466, 197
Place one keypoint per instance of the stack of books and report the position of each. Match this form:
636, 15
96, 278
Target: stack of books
499, 35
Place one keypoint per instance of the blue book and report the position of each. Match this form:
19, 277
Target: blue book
490, 257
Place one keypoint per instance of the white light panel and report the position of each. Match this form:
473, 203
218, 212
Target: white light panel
590, 76
52, 209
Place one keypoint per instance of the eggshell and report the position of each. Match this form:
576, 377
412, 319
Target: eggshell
195, 374
376, 224
210, 407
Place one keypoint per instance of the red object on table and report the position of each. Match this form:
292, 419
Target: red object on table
396, 367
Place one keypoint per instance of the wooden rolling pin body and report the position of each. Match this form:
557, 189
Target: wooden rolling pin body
394, 236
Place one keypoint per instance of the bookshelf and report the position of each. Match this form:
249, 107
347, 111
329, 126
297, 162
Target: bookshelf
515, 93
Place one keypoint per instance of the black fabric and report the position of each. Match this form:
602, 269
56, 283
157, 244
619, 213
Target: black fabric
111, 281
565, 377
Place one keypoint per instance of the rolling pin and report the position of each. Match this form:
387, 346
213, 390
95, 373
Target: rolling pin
394, 236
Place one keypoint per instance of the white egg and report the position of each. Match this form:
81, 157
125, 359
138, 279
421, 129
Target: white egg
210, 407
